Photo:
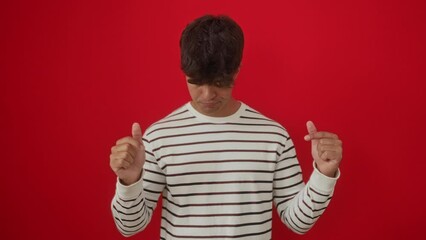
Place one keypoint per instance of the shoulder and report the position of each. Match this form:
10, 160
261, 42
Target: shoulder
176, 117
255, 117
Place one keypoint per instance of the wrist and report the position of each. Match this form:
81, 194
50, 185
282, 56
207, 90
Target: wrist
128, 191
126, 182
129, 181
327, 171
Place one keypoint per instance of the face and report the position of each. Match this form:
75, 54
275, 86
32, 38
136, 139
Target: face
211, 100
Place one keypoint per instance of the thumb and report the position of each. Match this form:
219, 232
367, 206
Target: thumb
137, 132
311, 130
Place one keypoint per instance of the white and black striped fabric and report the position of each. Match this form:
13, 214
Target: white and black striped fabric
219, 179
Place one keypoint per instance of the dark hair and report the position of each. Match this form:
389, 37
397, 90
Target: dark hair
211, 50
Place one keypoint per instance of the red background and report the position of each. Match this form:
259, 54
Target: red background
75, 75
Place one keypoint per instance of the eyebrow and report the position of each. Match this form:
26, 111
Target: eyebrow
194, 80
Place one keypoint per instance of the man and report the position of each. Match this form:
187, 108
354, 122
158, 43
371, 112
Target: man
219, 164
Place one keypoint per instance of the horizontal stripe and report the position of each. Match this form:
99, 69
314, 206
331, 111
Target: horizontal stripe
319, 202
214, 124
216, 236
286, 195
178, 127
217, 172
287, 177
219, 193
287, 167
217, 203
213, 183
133, 206
287, 158
287, 150
217, 132
132, 220
149, 153
173, 120
324, 195
129, 200
252, 111
138, 226
147, 160
284, 201
129, 232
289, 186
152, 191
126, 212
300, 220
216, 151
218, 161
154, 172
152, 181
256, 118
296, 227
217, 141
216, 225
176, 114
293, 227
216, 214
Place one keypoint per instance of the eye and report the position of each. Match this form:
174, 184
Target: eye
222, 83
218, 84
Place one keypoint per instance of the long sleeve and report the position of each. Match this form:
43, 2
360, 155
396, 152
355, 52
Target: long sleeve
132, 206
299, 205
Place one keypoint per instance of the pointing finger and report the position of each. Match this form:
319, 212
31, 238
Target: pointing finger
310, 126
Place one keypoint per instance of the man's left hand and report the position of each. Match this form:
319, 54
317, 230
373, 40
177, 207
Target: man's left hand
326, 150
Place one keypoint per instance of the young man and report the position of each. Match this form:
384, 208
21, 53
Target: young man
219, 164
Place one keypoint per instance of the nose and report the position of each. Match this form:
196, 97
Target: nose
208, 92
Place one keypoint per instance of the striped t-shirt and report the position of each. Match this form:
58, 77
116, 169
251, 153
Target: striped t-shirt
219, 179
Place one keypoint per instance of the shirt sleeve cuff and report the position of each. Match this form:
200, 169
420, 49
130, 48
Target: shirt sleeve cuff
322, 182
130, 191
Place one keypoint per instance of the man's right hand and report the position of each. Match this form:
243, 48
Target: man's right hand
128, 156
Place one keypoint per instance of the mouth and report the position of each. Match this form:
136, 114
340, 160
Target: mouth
208, 104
